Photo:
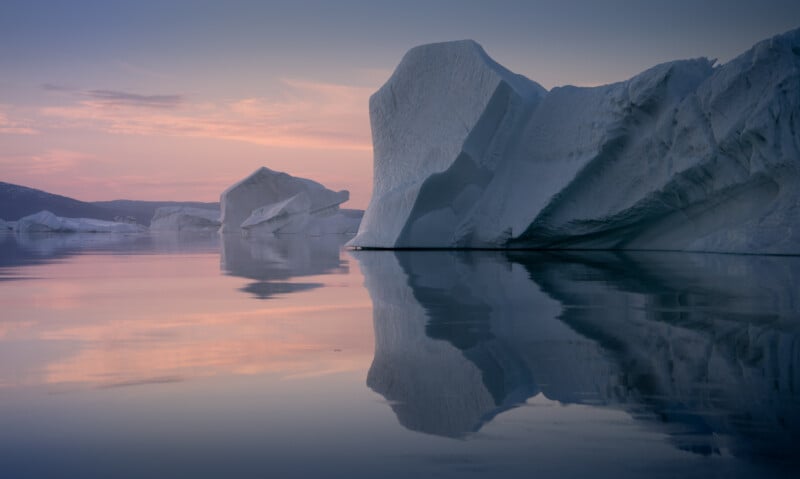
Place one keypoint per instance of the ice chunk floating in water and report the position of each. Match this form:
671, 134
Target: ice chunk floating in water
684, 156
185, 218
47, 222
268, 202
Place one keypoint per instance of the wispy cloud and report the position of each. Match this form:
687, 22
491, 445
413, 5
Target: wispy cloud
115, 98
139, 70
120, 186
56, 87
80, 175
14, 127
48, 163
303, 115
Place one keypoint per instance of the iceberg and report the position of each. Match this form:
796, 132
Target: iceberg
684, 156
271, 202
47, 222
184, 218
340, 222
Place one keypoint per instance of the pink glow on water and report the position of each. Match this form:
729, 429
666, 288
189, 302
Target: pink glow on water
127, 320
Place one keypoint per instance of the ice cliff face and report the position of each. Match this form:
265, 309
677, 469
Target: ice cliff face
440, 127
684, 156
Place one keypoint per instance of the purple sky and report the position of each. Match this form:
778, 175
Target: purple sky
178, 99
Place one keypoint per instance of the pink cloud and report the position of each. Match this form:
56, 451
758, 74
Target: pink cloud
142, 186
47, 163
308, 115
14, 127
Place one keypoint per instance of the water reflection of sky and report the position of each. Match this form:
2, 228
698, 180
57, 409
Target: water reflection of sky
150, 314
157, 356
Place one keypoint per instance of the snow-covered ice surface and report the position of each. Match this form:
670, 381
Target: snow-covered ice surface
7, 225
338, 222
289, 215
266, 196
684, 156
184, 218
440, 126
47, 222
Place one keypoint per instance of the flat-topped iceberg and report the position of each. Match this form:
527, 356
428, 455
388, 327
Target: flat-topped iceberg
684, 156
47, 222
184, 218
271, 202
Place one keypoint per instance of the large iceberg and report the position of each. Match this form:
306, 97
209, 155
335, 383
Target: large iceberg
269, 202
684, 156
47, 222
184, 218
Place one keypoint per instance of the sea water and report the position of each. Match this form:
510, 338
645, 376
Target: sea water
220, 356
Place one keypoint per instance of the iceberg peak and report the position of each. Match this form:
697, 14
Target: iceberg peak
448, 109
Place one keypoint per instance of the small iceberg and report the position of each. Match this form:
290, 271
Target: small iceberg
47, 222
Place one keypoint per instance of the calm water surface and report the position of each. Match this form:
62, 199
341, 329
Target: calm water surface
200, 356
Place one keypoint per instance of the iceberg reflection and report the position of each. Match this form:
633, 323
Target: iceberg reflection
705, 348
111, 311
21, 249
274, 260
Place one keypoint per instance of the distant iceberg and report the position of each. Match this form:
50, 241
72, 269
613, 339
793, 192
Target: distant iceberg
184, 218
270, 202
47, 222
684, 156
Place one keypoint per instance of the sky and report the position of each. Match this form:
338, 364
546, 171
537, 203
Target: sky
176, 100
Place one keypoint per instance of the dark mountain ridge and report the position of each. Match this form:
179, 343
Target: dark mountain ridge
17, 201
